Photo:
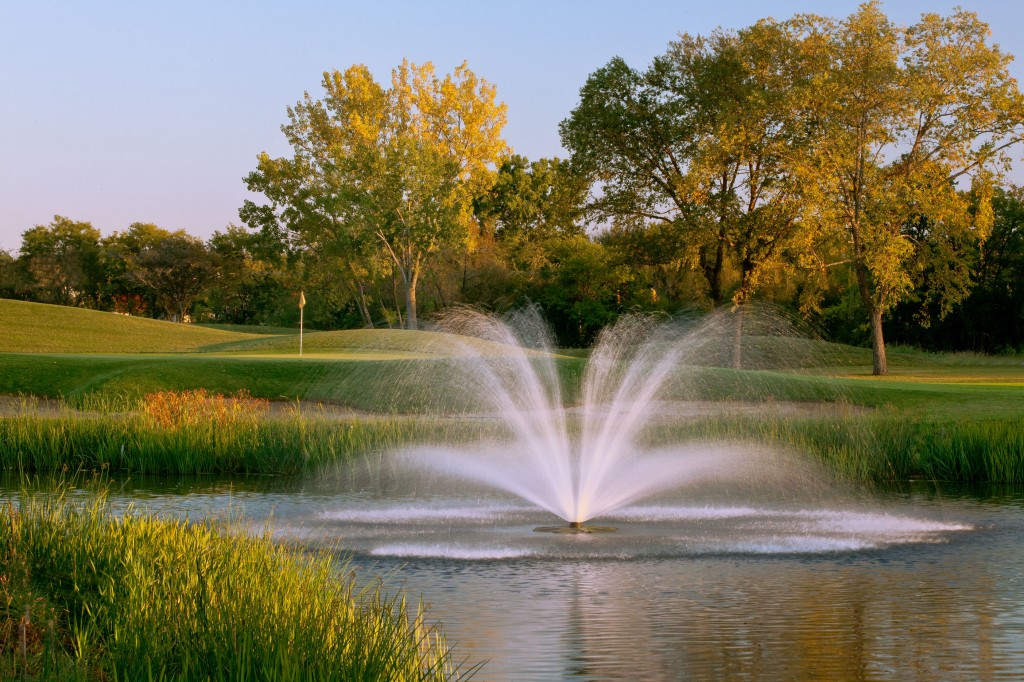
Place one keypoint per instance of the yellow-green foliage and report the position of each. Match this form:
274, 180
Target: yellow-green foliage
130, 597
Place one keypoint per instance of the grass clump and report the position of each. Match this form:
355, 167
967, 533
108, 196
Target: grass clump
177, 409
87, 594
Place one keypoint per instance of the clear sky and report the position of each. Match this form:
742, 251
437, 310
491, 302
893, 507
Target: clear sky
117, 112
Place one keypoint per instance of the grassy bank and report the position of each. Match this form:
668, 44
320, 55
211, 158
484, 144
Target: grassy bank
367, 384
40, 328
88, 595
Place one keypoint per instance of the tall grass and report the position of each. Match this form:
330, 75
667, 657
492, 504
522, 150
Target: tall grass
165, 442
875, 448
86, 594
196, 433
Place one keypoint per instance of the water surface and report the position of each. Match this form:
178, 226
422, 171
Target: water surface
923, 583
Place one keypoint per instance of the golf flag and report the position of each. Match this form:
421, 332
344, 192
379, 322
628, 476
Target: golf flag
302, 304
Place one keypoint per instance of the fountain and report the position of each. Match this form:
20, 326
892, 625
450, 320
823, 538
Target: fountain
586, 461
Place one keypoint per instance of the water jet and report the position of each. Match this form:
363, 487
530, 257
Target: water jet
577, 461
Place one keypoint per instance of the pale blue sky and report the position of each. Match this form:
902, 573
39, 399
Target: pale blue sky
116, 112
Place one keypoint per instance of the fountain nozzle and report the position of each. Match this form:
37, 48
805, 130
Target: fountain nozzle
575, 528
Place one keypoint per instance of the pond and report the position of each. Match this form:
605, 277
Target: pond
925, 582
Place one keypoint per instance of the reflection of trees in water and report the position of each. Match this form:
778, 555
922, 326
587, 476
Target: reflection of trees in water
717, 619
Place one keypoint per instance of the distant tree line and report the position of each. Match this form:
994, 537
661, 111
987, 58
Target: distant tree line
850, 170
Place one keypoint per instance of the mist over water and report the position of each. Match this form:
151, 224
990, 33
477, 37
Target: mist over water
584, 460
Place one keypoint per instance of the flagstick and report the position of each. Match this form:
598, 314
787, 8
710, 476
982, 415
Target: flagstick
300, 331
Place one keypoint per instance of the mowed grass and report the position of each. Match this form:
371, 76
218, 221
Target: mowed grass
39, 328
251, 329
418, 383
390, 386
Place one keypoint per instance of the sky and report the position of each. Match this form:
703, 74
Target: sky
122, 112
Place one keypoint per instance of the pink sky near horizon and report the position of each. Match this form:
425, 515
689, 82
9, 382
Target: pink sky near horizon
118, 112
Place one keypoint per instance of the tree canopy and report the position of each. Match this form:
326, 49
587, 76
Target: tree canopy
902, 116
386, 172
807, 142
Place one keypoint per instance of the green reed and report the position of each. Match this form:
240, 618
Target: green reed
861, 446
128, 442
89, 594
882, 448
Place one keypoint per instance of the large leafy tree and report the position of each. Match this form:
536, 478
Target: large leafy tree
119, 254
60, 262
991, 317
8, 275
695, 152
633, 142
530, 198
386, 171
251, 283
899, 117
176, 269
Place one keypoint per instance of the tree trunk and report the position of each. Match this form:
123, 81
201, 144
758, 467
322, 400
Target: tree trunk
880, 365
737, 338
364, 309
410, 299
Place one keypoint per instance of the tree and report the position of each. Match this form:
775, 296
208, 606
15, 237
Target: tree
579, 288
175, 269
899, 117
696, 154
8, 275
633, 142
990, 317
119, 256
60, 262
533, 198
530, 204
389, 171
251, 282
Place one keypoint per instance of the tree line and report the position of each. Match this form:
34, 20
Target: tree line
852, 170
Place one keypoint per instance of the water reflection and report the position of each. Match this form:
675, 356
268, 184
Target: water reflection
943, 604
736, 618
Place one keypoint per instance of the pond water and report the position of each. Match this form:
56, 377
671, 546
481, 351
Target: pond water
921, 583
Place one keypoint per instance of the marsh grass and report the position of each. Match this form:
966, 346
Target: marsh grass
863, 446
89, 594
877, 448
183, 439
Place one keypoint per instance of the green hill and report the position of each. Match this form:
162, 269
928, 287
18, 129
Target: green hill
40, 328
363, 343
